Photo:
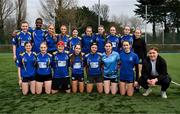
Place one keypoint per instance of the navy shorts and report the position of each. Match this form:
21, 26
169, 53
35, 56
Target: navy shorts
113, 80
78, 77
127, 81
27, 79
43, 78
94, 79
61, 83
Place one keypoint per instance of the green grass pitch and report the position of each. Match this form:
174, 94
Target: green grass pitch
12, 100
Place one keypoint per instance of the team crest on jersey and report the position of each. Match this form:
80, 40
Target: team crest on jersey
131, 58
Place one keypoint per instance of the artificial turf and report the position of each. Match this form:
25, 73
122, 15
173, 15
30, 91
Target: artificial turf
12, 100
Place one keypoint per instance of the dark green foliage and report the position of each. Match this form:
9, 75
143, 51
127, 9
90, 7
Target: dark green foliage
160, 11
82, 18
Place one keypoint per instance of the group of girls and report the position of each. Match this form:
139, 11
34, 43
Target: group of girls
45, 59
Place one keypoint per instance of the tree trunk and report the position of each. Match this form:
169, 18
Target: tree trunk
166, 29
178, 31
19, 16
1, 31
19, 22
154, 30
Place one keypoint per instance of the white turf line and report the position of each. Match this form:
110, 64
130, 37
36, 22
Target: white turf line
175, 83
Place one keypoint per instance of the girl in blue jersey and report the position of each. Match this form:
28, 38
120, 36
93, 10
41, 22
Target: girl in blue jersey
114, 39
128, 60
87, 39
61, 79
110, 61
51, 39
38, 35
19, 40
77, 67
74, 40
93, 63
26, 69
126, 37
44, 73
100, 39
64, 37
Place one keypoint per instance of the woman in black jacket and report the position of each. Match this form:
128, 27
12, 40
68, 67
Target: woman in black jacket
154, 72
139, 47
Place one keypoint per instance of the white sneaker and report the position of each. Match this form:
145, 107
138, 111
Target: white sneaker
163, 94
147, 92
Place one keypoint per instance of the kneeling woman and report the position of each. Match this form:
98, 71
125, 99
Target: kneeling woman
26, 69
77, 67
128, 60
93, 62
44, 75
110, 61
61, 79
155, 72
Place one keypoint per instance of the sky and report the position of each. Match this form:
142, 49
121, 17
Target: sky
117, 8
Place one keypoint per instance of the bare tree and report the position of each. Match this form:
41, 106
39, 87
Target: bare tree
104, 10
65, 13
47, 11
135, 22
6, 9
21, 10
79, 20
122, 19
95, 8
9, 27
115, 19
58, 11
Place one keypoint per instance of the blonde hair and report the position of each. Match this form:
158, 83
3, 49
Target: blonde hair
52, 26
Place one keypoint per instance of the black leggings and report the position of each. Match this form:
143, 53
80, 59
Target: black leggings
164, 83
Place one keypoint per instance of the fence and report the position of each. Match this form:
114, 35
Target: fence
163, 38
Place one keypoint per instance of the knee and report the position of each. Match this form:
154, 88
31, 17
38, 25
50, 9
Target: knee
33, 93
100, 91
130, 94
38, 92
123, 94
106, 91
166, 81
25, 93
48, 92
89, 91
54, 91
113, 93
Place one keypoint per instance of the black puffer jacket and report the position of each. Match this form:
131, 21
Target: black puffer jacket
161, 68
